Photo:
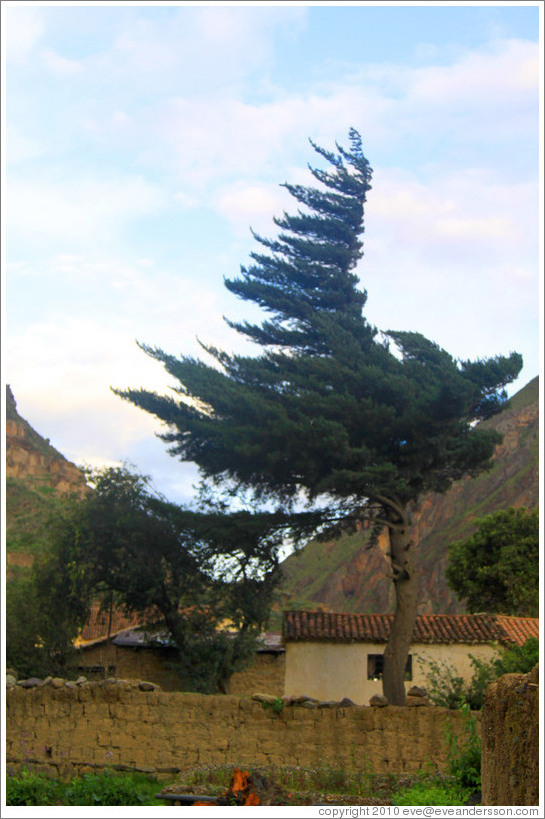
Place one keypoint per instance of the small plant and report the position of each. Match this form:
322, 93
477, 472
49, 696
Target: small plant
277, 705
464, 755
432, 793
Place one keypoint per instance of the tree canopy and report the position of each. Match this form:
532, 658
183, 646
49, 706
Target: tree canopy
204, 579
359, 422
496, 569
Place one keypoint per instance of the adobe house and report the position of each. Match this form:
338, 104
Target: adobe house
114, 644
330, 656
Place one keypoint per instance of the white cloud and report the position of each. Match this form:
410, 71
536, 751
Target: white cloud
20, 147
78, 210
247, 204
24, 29
60, 65
450, 247
498, 74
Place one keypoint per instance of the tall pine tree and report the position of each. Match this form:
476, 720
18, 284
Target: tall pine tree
327, 410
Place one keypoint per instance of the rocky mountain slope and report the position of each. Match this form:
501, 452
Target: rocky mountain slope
36, 475
349, 575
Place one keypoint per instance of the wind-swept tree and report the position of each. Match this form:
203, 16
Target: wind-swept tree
329, 411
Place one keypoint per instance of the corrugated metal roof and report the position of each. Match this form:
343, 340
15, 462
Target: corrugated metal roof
96, 627
430, 628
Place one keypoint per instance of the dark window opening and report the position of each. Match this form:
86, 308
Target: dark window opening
375, 667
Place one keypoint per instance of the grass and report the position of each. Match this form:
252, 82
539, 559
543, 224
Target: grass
107, 788
289, 785
328, 785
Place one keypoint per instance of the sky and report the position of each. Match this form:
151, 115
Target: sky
143, 141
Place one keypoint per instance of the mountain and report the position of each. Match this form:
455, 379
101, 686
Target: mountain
350, 575
37, 475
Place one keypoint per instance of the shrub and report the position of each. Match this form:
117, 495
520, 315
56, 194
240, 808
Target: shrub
29, 788
429, 793
464, 754
447, 689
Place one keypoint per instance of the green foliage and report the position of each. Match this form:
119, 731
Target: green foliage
447, 689
432, 793
496, 569
277, 706
328, 409
464, 755
185, 572
108, 788
42, 621
29, 788
29, 507
444, 686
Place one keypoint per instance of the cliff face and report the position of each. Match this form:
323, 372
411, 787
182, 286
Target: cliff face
32, 459
350, 575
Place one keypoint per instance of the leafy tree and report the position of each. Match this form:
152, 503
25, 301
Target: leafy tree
190, 572
496, 569
43, 618
328, 412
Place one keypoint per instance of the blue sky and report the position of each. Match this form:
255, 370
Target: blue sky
143, 141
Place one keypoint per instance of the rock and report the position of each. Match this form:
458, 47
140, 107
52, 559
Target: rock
309, 704
10, 681
416, 701
81, 680
108, 681
417, 691
70, 684
149, 686
328, 704
378, 701
346, 703
302, 698
57, 682
32, 682
45, 681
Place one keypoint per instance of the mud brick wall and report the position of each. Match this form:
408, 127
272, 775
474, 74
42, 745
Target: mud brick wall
510, 741
266, 674
74, 729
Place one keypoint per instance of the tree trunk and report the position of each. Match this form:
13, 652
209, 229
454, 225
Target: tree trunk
406, 592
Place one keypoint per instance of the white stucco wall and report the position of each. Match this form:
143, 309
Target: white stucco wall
331, 671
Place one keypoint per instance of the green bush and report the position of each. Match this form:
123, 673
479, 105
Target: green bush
447, 689
33, 789
106, 788
464, 754
429, 793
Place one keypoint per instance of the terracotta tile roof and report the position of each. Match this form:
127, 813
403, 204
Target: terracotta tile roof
430, 628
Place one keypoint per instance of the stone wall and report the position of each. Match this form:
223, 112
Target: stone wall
510, 741
75, 728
